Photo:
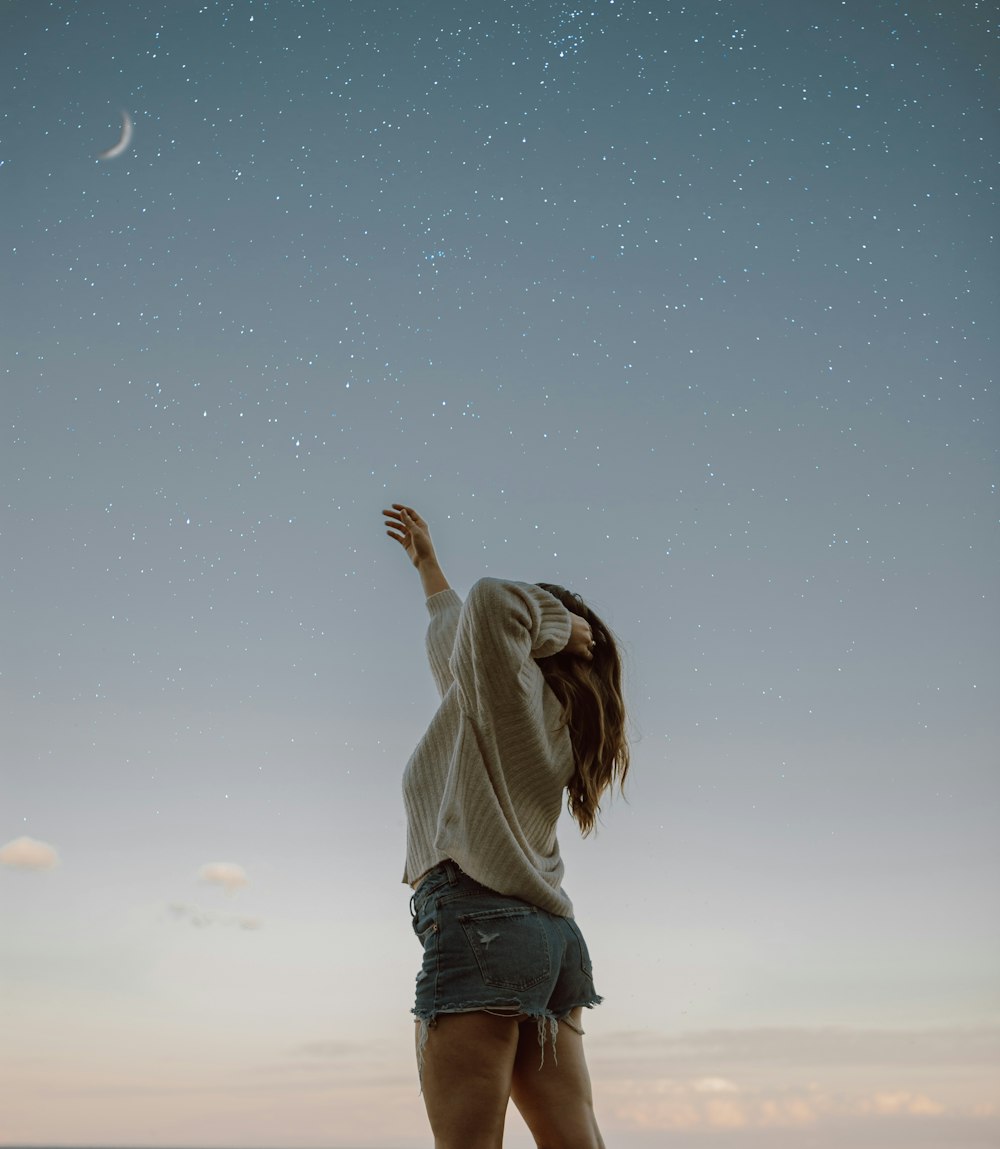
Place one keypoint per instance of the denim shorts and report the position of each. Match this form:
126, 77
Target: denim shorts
487, 951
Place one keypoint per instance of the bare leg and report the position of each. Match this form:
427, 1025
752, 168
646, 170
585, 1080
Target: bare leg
468, 1063
556, 1101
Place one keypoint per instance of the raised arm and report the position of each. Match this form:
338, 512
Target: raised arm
506, 623
503, 628
414, 536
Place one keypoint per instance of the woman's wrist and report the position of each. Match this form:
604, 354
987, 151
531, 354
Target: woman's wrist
432, 577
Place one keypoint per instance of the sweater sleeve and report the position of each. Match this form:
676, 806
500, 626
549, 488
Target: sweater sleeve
445, 608
502, 628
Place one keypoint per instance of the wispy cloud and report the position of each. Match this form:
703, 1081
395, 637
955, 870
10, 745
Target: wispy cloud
29, 854
674, 1105
818, 1046
226, 874
787, 1078
199, 917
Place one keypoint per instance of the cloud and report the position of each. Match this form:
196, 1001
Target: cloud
676, 1105
199, 917
29, 854
701, 1053
226, 874
785, 1079
889, 1104
714, 1085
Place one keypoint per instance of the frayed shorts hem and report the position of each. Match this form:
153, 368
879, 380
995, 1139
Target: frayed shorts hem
546, 1021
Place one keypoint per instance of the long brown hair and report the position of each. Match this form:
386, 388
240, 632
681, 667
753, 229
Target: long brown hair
594, 711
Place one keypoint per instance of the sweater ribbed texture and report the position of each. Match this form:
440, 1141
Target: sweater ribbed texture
485, 784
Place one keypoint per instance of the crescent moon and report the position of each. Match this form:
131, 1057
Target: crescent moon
123, 142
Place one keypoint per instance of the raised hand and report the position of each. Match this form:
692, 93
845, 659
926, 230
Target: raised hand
411, 532
581, 638
414, 536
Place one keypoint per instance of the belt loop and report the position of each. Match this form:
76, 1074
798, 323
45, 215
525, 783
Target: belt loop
452, 871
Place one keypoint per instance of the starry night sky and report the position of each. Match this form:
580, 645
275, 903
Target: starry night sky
690, 307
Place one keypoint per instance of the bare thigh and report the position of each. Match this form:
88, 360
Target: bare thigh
556, 1101
468, 1064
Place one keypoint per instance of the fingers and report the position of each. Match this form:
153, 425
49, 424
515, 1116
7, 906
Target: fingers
409, 512
581, 643
396, 520
404, 525
401, 510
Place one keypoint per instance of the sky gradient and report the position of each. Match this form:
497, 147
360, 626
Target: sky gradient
689, 307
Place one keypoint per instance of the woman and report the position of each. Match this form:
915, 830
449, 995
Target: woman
531, 706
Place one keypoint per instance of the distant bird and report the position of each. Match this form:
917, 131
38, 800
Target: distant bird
123, 141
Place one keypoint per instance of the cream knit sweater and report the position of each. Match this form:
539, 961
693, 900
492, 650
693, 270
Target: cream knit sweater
485, 784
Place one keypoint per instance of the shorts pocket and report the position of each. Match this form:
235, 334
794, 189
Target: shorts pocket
510, 945
425, 924
425, 932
